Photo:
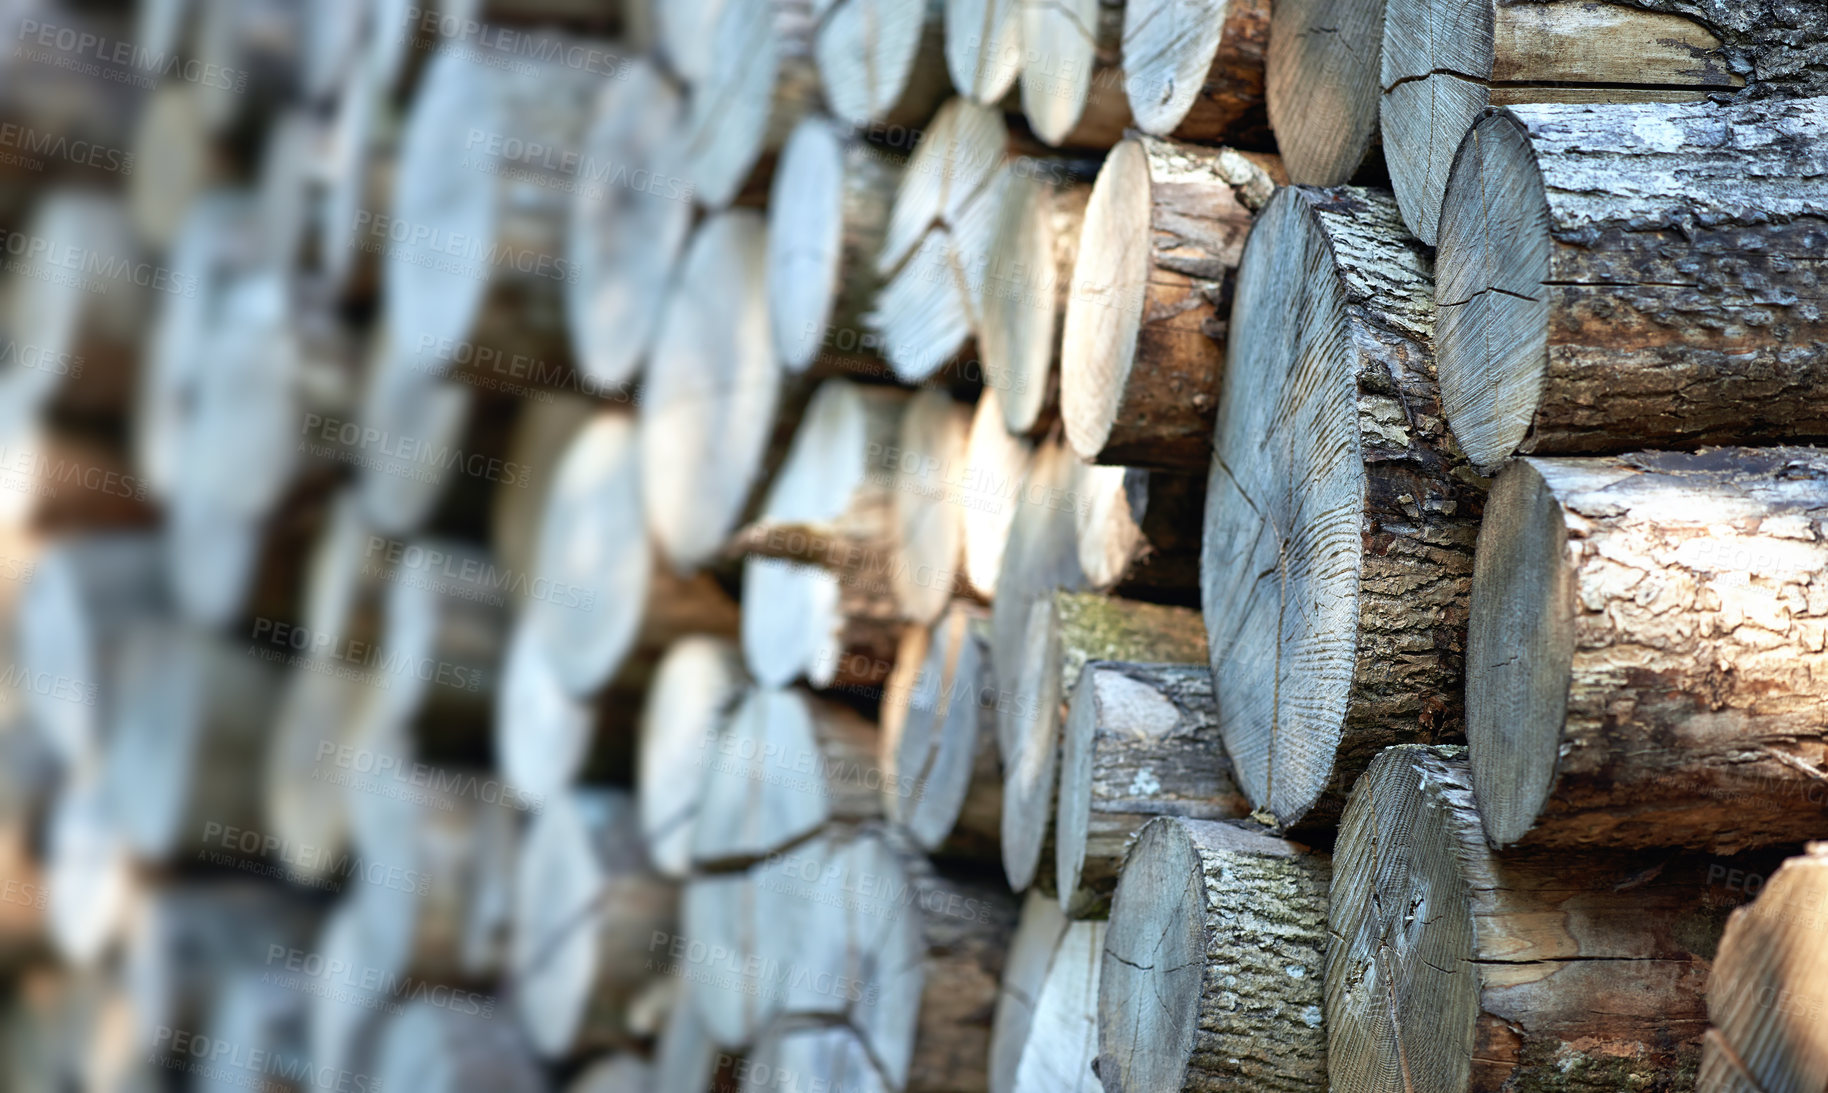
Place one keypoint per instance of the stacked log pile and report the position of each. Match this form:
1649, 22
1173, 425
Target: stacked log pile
931, 546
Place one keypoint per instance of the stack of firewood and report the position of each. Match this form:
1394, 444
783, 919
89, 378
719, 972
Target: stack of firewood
915, 546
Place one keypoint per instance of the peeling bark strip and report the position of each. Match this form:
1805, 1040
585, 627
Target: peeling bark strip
1615, 277
1339, 515
1446, 60
1453, 969
1768, 995
1321, 86
1648, 656
1143, 348
1140, 741
1212, 964
1195, 70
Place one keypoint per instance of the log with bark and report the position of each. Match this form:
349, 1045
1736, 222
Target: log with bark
473, 240
908, 956
1029, 290
585, 904
827, 212
1602, 290
1453, 968
1040, 556
832, 1054
1196, 72
1144, 346
1443, 63
785, 765
995, 463
833, 502
189, 720
1039, 929
1072, 82
805, 622
984, 47
1340, 518
940, 776
1645, 661
954, 158
629, 219
1321, 87
1140, 740
698, 684
880, 61
85, 595
1062, 1042
926, 504
928, 311
1212, 963
708, 407
1767, 994
593, 558
761, 80
71, 344
1138, 532
88, 874
1064, 633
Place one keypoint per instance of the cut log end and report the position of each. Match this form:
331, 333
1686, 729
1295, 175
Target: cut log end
1206, 914
1767, 997
1414, 1013
1106, 307
1321, 86
1282, 546
1520, 649
1494, 307
805, 234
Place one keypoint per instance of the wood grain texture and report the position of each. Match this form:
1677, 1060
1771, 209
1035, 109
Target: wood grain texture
1614, 277
1456, 969
1144, 342
1212, 965
1645, 667
1340, 517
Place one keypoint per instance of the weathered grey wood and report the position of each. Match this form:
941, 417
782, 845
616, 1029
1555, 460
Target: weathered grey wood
1768, 990
1645, 663
1063, 1035
1196, 71
1212, 964
828, 209
1321, 86
1140, 740
1617, 277
1144, 348
1340, 518
1456, 969
1446, 60
1028, 292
